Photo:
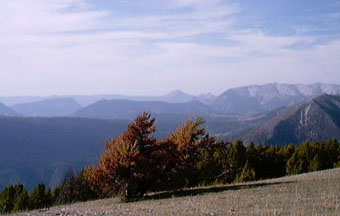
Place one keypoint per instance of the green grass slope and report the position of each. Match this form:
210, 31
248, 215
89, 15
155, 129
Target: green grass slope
316, 193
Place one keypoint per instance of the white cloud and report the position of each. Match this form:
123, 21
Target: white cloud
215, 18
194, 3
257, 41
39, 16
70, 46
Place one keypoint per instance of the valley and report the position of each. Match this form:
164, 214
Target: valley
43, 138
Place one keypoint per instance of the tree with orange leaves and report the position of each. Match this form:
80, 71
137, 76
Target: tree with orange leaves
125, 167
136, 162
185, 146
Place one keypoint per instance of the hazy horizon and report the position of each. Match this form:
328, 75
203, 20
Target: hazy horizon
124, 47
155, 95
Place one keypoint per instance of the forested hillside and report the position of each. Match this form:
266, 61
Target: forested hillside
315, 119
34, 150
136, 163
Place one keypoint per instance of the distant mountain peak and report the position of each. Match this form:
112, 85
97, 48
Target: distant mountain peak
177, 92
128, 109
262, 98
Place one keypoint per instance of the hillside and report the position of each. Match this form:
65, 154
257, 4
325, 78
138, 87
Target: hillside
315, 119
126, 109
34, 150
48, 107
37, 149
261, 98
12, 100
6, 111
316, 193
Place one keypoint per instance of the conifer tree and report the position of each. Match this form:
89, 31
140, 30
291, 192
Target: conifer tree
126, 166
247, 174
66, 190
233, 161
40, 197
22, 202
7, 199
14, 198
192, 144
73, 188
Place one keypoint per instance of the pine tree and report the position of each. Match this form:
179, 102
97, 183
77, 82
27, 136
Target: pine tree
247, 174
315, 164
40, 198
74, 188
66, 191
14, 198
192, 143
234, 160
300, 160
7, 199
22, 202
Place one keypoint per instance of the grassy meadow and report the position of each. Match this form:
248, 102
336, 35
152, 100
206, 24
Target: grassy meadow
316, 193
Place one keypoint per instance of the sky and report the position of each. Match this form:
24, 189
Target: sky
151, 47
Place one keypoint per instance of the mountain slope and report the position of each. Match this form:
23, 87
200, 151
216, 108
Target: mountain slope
12, 100
48, 108
315, 119
6, 111
125, 109
37, 149
34, 150
176, 96
261, 98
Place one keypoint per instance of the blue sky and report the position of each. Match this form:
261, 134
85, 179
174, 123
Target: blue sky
150, 47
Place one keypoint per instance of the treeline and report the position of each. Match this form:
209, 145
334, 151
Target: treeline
16, 198
136, 163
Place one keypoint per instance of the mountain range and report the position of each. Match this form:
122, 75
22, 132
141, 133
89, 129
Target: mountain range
240, 101
262, 98
34, 150
42, 149
312, 120
48, 108
126, 109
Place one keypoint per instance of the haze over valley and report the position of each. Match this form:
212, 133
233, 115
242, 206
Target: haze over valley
53, 130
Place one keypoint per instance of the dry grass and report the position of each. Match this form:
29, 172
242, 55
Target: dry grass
315, 193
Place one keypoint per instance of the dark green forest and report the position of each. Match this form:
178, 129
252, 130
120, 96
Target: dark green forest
137, 163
